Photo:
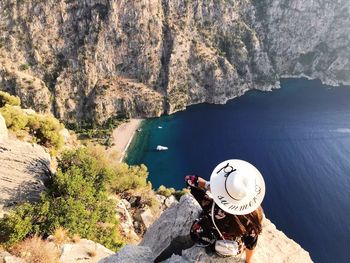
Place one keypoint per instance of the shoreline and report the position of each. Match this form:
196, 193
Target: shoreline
123, 135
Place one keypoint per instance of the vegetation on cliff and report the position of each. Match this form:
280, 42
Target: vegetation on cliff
77, 199
80, 196
39, 128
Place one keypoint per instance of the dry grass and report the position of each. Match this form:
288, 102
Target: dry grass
36, 250
75, 238
60, 236
92, 253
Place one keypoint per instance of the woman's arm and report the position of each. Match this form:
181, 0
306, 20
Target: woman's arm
199, 189
194, 180
248, 255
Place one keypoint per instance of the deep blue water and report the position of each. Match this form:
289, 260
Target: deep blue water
297, 136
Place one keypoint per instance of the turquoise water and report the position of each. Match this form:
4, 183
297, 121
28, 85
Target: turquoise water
297, 136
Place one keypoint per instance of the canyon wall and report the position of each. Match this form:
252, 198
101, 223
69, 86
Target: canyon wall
91, 60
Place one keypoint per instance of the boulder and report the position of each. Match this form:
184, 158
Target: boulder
23, 170
3, 129
131, 254
85, 251
125, 220
146, 217
170, 200
161, 199
174, 222
6, 257
126, 203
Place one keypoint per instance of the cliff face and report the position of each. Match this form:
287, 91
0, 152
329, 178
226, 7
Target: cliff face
93, 59
23, 170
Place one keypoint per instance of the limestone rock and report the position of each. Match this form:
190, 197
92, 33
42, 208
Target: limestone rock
146, 217
131, 254
32, 90
23, 170
125, 221
66, 135
170, 200
126, 203
161, 199
6, 257
3, 129
82, 252
273, 245
175, 259
174, 222
143, 58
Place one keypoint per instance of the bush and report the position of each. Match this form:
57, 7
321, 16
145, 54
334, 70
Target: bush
60, 235
44, 128
47, 130
129, 177
6, 98
162, 190
76, 200
16, 120
15, 226
24, 66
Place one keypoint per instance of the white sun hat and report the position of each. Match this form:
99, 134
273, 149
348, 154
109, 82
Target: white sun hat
237, 187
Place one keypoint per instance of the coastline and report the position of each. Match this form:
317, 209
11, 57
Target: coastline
123, 135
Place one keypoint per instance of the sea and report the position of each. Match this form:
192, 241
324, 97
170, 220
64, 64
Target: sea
298, 136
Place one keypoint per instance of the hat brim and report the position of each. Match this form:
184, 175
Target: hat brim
228, 203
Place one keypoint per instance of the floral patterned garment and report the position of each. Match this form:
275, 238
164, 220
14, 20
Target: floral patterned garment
203, 230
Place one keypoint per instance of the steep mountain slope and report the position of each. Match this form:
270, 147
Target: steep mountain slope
91, 60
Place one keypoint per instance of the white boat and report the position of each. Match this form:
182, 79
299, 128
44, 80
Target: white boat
161, 148
160, 127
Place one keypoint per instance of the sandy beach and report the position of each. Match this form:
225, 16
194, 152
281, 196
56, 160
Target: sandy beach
122, 136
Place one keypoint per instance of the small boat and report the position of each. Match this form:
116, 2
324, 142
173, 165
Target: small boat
161, 148
138, 130
160, 127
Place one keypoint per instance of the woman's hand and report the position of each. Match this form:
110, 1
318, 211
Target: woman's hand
192, 180
196, 181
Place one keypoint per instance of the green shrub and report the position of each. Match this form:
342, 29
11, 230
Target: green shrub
24, 66
15, 118
129, 177
44, 128
15, 226
47, 130
6, 98
162, 190
76, 199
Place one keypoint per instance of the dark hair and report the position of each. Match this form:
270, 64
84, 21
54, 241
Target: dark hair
239, 225
250, 223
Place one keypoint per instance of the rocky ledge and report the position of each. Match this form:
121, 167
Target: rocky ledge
23, 169
170, 233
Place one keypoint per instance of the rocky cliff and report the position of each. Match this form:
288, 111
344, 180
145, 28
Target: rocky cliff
169, 235
94, 59
23, 170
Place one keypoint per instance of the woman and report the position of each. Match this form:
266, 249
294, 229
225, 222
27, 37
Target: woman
232, 217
